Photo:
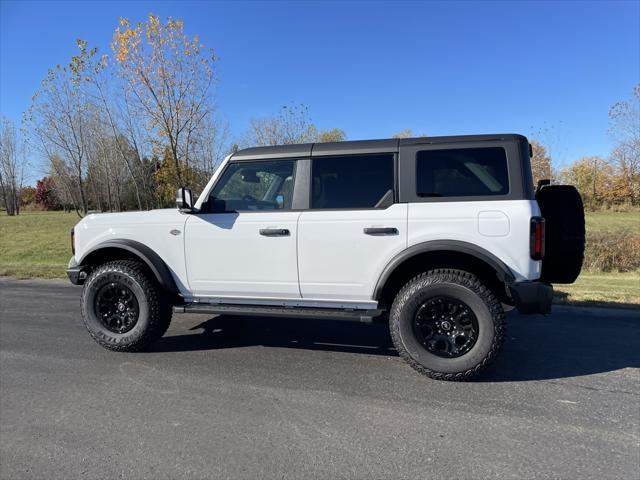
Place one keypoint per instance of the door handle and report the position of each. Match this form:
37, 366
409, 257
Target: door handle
275, 232
381, 231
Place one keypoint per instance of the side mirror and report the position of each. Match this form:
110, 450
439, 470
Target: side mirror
184, 200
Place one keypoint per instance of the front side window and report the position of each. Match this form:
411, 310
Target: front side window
462, 172
356, 181
254, 186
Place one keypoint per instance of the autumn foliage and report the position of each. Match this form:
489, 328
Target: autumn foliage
45, 196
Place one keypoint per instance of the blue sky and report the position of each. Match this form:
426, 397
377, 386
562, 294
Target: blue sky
374, 68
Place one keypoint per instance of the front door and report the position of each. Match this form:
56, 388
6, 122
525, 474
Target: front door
244, 243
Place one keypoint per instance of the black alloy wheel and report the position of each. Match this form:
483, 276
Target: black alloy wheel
117, 307
445, 326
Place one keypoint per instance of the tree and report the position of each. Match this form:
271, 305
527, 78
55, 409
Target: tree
100, 122
164, 178
65, 184
210, 147
61, 113
627, 178
406, 133
624, 127
98, 77
28, 195
11, 167
331, 135
169, 76
541, 165
593, 177
290, 126
45, 195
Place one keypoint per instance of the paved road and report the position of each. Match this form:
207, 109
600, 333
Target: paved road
264, 398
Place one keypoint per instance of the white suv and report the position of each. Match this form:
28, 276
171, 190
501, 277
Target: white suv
435, 235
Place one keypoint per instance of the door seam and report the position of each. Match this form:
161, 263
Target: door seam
297, 251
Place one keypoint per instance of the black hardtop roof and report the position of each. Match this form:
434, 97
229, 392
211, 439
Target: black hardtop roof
352, 147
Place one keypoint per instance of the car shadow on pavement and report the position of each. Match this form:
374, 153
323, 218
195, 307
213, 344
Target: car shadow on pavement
312, 334
566, 345
536, 347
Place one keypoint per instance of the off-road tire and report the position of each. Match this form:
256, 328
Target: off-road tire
459, 285
154, 314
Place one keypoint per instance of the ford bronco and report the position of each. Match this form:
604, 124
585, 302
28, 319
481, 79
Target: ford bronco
437, 236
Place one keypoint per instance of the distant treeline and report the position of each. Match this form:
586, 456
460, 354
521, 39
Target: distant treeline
122, 131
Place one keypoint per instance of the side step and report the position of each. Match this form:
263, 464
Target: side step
366, 316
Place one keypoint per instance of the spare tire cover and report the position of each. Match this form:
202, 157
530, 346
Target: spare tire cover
563, 211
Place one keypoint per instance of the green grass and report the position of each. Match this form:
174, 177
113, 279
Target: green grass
37, 245
607, 221
612, 289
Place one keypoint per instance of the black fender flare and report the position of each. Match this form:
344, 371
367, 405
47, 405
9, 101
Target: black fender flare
157, 266
502, 270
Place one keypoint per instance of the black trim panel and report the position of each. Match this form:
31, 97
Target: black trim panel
461, 138
302, 182
148, 256
442, 245
357, 147
74, 275
274, 311
354, 147
279, 152
532, 297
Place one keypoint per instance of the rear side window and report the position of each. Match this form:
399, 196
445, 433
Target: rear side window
462, 172
355, 181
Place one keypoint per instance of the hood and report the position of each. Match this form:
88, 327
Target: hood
148, 217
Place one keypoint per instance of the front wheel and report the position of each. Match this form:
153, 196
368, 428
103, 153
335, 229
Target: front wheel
122, 306
447, 325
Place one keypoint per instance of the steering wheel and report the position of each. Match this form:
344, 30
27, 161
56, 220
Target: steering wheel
249, 198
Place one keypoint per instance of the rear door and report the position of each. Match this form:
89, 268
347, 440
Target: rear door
353, 226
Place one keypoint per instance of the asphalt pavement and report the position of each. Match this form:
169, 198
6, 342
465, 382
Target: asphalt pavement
231, 397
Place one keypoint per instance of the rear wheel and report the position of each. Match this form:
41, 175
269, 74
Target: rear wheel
123, 308
447, 325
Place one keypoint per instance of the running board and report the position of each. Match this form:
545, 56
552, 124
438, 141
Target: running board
366, 316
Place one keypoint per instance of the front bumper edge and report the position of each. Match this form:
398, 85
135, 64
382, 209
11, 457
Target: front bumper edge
76, 273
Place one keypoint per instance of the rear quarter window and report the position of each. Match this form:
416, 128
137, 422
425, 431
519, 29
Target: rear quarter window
462, 172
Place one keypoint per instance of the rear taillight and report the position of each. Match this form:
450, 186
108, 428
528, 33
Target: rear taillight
536, 238
73, 243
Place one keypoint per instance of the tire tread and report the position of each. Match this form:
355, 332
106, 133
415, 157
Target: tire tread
160, 311
460, 277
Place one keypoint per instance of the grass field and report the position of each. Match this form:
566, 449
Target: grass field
38, 245
606, 221
602, 289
